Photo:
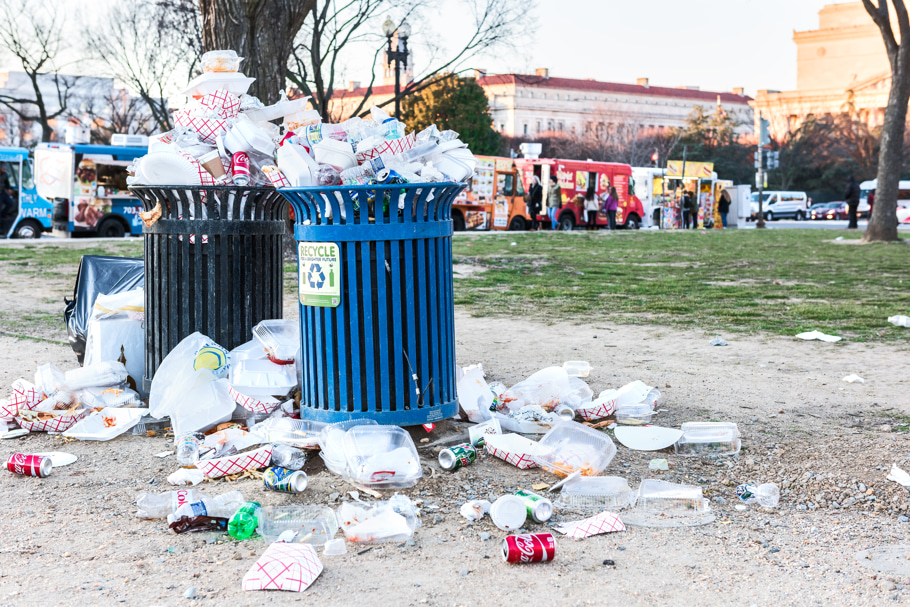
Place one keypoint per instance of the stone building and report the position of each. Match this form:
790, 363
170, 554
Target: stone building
841, 67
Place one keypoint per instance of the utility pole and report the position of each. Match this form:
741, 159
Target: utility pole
764, 138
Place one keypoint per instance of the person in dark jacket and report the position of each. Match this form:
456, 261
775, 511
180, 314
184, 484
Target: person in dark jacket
685, 202
851, 196
723, 206
535, 200
7, 204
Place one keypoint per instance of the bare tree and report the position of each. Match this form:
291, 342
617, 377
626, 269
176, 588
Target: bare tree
262, 31
883, 223
152, 46
116, 112
333, 30
33, 34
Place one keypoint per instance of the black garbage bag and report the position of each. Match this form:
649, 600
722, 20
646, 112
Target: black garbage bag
98, 275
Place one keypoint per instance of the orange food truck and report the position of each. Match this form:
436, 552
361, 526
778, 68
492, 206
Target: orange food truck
495, 197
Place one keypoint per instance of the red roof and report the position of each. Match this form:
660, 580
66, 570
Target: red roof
577, 84
574, 84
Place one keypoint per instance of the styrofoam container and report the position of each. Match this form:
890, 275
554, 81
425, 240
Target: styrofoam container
708, 438
105, 424
262, 378
278, 110
595, 493
209, 82
381, 457
251, 350
657, 495
571, 446
336, 153
314, 524
280, 338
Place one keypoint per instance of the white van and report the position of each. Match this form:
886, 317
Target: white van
780, 205
903, 198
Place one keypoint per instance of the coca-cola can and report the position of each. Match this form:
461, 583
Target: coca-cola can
529, 548
29, 465
240, 168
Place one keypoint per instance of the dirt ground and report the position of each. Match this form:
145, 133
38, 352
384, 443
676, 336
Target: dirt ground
72, 539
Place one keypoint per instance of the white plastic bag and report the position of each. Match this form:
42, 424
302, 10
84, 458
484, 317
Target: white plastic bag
177, 375
474, 394
115, 329
547, 388
203, 407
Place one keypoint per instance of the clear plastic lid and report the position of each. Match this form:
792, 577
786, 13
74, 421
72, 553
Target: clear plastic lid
708, 438
577, 368
571, 446
221, 61
280, 338
298, 433
331, 442
381, 457
665, 496
263, 378
595, 493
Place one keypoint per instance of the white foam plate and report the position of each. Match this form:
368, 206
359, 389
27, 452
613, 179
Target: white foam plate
647, 438
14, 433
209, 82
165, 168
59, 458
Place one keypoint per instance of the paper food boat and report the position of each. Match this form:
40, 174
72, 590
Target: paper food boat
55, 424
232, 464
512, 448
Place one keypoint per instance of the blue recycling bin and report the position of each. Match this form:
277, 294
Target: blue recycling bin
376, 301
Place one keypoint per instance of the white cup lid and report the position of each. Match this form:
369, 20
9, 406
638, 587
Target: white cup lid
509, 513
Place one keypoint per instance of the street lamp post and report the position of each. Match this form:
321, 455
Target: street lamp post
400, 57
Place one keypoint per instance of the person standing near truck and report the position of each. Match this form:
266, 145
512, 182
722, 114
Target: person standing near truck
611, 203
592, 206
535, 199
723, 206
851, 196
554, 201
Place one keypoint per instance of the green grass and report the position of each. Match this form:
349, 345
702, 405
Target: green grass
777, 281
35, 260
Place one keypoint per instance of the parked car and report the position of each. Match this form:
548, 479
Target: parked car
836, 210
815, 210
780, 205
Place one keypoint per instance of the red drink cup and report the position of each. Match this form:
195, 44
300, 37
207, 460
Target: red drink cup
29, 465
530, 548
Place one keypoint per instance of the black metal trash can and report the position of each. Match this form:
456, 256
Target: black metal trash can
213, 264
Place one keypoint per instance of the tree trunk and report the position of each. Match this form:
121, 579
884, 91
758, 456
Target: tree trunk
261, 31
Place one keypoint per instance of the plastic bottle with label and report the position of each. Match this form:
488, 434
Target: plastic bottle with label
244, 522
222, 506
288, 457
159, 505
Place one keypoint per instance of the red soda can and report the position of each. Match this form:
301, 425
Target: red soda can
29, 465
529, 548
240, 168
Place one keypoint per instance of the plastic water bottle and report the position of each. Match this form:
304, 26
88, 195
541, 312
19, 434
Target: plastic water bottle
767, 495
358, 175
900, 320
222, 506
244, 522
107, 373
187, 450
159, 505
284, 456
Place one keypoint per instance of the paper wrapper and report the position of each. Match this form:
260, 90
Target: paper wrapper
519, 460
251, 404
232, 464
25, 396
222, 103
276, 176
56, 424
395, 146
605, 522
282, 566
208, 129
597, 410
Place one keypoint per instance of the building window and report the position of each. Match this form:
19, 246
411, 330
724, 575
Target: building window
538, 126
559, 127
530, 94
526, 128
543, 95
501, 126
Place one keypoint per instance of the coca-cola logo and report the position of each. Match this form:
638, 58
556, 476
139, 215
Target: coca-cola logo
525, 545
182, 497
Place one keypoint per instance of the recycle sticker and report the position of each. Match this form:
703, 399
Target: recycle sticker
319, 270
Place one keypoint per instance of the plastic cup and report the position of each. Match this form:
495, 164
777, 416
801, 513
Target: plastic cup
509, 513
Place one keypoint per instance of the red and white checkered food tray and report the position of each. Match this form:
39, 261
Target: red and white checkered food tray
602, 407
605, 522
208, 129
512, 448
24, 396
395, 146
252, 404
56, 424
232, 464
282, 566
221, 102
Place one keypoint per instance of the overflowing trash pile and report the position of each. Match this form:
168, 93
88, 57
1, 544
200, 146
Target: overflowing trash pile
225, 136
233, 415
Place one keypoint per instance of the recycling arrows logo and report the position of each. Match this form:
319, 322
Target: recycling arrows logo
315, 276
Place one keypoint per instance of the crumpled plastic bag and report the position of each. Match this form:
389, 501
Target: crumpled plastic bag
378, 522
546, 388
475, 509
203, 408
474, 394
899, 476
177, 375
186, 476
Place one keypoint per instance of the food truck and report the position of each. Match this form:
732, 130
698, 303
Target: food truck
701, 180
495, 198
85, 186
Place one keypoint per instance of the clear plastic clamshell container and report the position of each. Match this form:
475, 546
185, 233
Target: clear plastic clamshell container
577, 368
314, 524
635, 415
708, 438
300, 433
331, 443
280, 338
595, 493
571, 446
381, 457
221, 61
662, 496
263, 378
110, 397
